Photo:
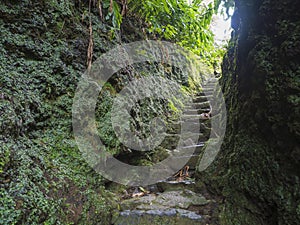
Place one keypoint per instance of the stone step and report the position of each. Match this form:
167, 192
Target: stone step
212, 80
196, 111
198, 105
198, 147
208, 93
207, 89
202, 98
171, 141
195, 117
192, 122
159, 216
168, 207
173, 185
210, 85
186, 135
167, 199
193, 125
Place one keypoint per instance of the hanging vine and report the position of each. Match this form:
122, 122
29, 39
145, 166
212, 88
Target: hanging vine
91, 44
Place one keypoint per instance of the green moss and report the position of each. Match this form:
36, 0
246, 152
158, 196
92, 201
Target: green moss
44, 180
256, 168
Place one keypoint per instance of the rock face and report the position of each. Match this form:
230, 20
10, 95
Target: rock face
258, 168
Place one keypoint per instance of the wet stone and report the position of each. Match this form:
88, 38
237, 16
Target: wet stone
174, 201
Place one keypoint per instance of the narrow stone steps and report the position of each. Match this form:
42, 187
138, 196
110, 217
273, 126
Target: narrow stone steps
194, 136
212, 80
168, 216
173, 185
193, 121
206, 93
196, 110
210, 85
204, 104
198, 147
202, 98
206, 89
187, 117
196, 106
194, 124
166, 207
175, 200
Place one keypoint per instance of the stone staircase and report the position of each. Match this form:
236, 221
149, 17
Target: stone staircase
176, 200
199, 112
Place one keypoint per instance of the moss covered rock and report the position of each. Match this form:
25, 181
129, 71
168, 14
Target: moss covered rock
257, 170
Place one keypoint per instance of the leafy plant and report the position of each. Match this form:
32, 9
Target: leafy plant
186, 24
176, 20
114, 13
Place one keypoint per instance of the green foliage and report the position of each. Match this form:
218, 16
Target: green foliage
227, 5
4, 158
173, 108
187, 25
64, 7
114, 13
214, 56
43, 178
